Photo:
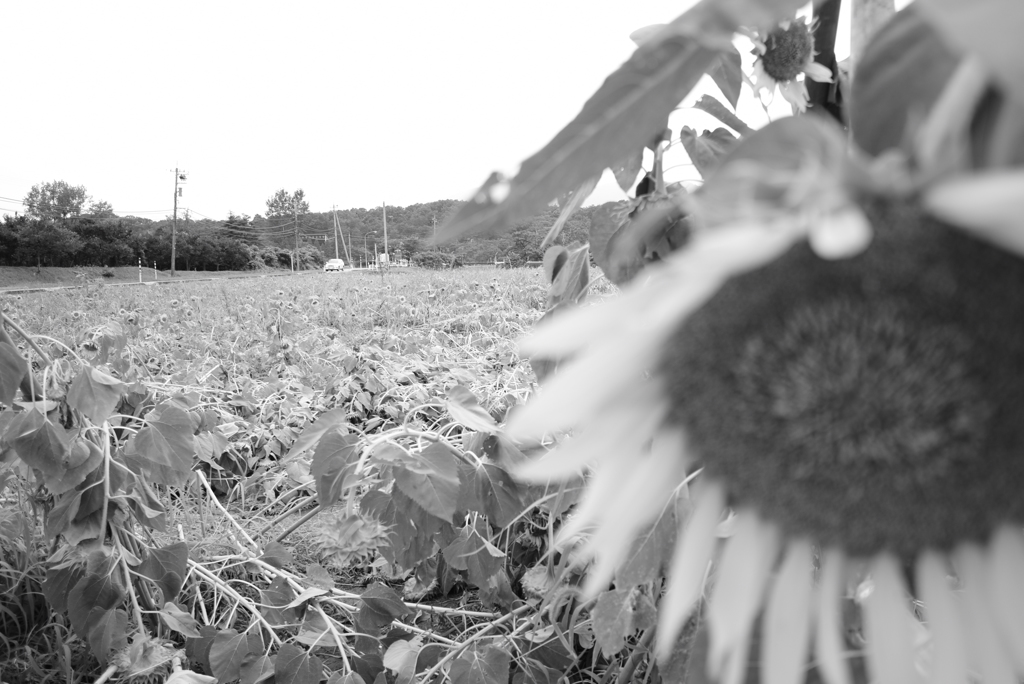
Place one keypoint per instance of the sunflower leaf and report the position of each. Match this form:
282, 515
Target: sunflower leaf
712, 106
989, 29
728, 75
707, 150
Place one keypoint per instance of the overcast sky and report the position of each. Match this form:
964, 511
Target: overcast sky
357, 103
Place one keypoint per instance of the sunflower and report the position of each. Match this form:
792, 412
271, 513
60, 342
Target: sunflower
785, 54
855, 414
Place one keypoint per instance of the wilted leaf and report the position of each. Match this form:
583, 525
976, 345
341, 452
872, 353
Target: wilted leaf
295, 666
707, 150
58, 583
728, 75
93, 591
614, 619
166, 566
108, 631
400, 658
432, 481
571, 280
164, 449
319, 577
625, 171
180, 621
314, 630
575, 201
651, 552
381, 606
75, 475
41, 444
209, 446
63, 513
256, 668
95, 394
334, 460
311, 434
481, 664
12, 369
709, 104
489, 489
465, 409
228, 651
275, 600
276, 554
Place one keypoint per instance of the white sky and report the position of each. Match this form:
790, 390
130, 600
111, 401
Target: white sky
357, 103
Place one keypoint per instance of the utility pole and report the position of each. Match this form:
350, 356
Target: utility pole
335, 215
385, 208
174, 223
295, 217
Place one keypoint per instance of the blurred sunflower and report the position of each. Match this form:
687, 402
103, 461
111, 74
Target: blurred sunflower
785, 54
859, 414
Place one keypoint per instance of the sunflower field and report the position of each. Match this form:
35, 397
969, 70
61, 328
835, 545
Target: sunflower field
761, 427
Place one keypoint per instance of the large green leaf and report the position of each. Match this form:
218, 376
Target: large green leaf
709, 104
295, 665
40, 443
109, 631
311, 434
12, 369
618, 615
256, 668
728, 75
167, 566
707, 150
489, 489
164, 448
95, 394
96, 590
622, 116
381, 606
464, 407
990, 29
431, 480
334, 461
228, 651
901, 75
481, 664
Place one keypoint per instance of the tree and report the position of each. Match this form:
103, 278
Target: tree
101, 209
284, 205
47, 241
240, 228
56, 200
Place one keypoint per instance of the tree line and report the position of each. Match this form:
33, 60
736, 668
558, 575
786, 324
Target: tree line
62, 226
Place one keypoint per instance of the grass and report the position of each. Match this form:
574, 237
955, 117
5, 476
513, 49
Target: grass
24, 277
261, 358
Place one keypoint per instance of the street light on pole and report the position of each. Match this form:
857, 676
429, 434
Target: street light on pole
366, 255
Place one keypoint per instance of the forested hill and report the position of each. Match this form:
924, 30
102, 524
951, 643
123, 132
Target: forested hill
101, 238
411, 230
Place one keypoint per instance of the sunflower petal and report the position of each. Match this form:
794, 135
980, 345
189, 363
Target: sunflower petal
945, 621
986, 653
640, 497
795, 93
787, 621
1006, 590
829, 639
694, 546
743, 574
818, 72
888, 631
620, 433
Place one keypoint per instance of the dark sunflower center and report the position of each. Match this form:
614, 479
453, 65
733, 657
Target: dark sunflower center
872, 402
857, 383
787, 51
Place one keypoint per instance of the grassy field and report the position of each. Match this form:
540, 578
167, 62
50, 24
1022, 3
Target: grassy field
18, 277
261, 359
